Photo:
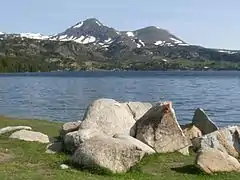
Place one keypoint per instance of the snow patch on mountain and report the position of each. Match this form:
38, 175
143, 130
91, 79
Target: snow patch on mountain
78, 25
89, 39
157, 43
228, 52
108, 40
1, 33
98, 23
176, 41
34, 36
130, 34
79, 40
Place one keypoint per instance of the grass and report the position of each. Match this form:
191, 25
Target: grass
27, 160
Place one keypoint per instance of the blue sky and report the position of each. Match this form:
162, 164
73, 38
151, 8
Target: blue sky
212, 23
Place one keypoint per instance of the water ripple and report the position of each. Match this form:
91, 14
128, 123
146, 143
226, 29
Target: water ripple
65, 97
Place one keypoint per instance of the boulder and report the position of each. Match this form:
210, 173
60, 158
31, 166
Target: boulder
203, 122
226, 140
54, 147
191, 131
108, 117
73, 139
13, 128
159, 129
145, 148
27, 135
138, 109
114, 154
212, 160
69, 127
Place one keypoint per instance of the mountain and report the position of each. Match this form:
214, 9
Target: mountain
88, 31
90, 44
93, 31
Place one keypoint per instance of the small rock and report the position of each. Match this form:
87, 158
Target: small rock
184, 151
64, 166
203, 122
212, 160
54, 147
30, 136
13, 128
191, 131
69, 127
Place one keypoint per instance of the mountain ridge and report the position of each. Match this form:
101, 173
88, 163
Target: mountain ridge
91, 44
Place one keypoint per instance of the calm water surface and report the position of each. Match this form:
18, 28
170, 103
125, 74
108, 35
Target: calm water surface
64, 96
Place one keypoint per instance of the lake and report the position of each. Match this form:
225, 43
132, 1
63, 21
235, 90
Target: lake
64, 96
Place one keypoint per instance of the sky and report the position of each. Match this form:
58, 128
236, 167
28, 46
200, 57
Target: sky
210, 23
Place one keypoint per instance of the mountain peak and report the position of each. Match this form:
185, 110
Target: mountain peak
93, 20
88, 22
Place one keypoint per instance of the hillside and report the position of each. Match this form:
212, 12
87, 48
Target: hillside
91, 45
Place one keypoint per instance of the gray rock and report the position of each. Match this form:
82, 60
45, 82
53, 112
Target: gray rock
54, 147
203, 122
138, 109
73, 139
69, 127
226, 140
30, 136
108, 117
159, 129
113, 154
13, 128
213, 160
145, 148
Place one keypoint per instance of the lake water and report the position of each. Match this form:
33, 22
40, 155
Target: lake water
65, 96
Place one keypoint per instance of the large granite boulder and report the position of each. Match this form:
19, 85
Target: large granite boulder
27, 135
108, 117
114, 154
138, 109
212, 160
203, 122
226, 140
73, 139
69, 127
159, 129
131, 140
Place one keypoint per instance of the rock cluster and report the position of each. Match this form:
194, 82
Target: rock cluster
116, 136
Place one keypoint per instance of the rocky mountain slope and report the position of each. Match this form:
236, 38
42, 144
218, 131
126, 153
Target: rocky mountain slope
90, 41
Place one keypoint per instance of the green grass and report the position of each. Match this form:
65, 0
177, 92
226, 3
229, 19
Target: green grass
21, 160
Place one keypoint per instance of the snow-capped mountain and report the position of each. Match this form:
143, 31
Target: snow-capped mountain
93, 31
88, 31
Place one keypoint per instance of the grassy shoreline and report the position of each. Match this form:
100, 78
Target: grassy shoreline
27, 160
